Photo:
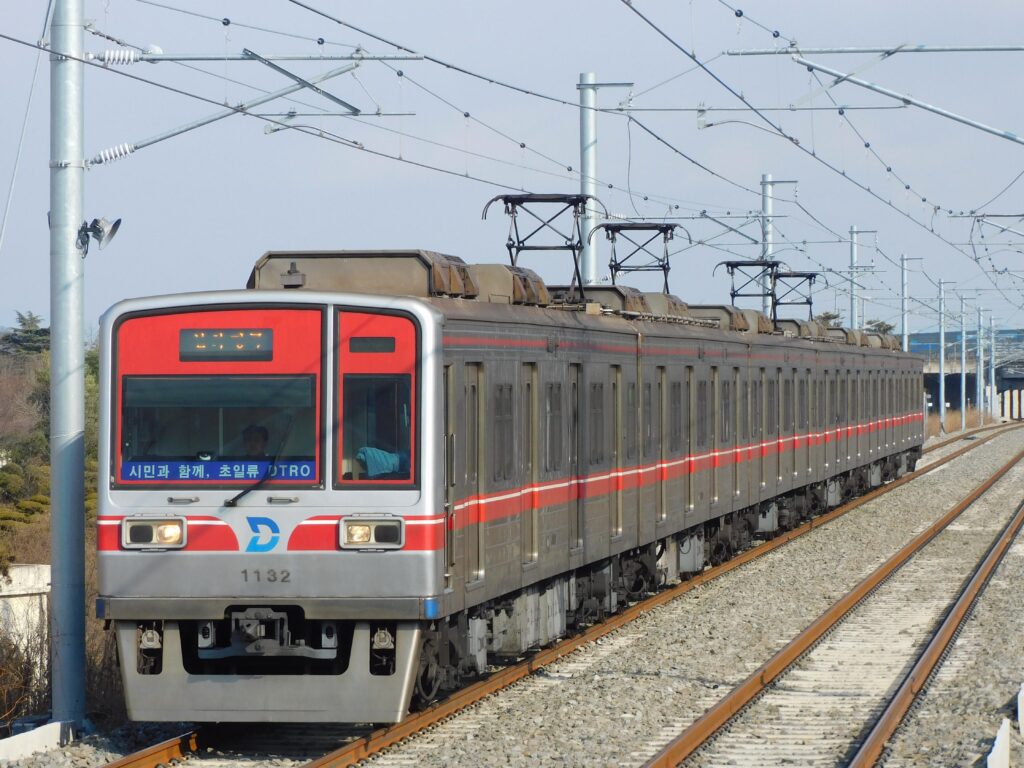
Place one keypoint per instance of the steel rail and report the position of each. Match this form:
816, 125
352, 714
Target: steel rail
173, 749
362, 748
873, 746
966, 434
382, 738
727, 708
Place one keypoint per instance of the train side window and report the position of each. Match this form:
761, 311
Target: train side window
595, 423
787, 405
553, 426
702, 414
772, 408
647, 419
675, 407
471, 394
843, 407
819, 413
726, 412
833, 402
631, 430
503, 432
801, 400
756, 407
854, 401
744, 410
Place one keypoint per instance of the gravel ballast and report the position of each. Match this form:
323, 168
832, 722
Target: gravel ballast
618, 700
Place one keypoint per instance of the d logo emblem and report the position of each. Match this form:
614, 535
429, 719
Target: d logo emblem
267, 534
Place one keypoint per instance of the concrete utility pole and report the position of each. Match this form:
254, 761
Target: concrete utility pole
768, 234
67, 363
904, 299
588, 172
903, 302
980, 403
992, 395
588, 87
854, 320
942, 357
963, 365
767, 237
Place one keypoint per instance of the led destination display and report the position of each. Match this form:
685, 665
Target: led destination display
226, 344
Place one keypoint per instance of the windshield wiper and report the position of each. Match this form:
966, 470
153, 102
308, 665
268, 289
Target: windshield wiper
233, 501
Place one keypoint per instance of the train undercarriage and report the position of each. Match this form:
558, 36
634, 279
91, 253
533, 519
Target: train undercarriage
457, 650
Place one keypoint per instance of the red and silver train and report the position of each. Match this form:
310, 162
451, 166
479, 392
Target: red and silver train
337, 493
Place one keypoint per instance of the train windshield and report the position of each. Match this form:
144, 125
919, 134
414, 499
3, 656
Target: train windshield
377, 427
218, 428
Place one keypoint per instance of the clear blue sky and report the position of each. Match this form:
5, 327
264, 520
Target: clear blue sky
198, 210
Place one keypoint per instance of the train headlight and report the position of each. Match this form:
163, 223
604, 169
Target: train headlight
357, 533
153, 533
360, 533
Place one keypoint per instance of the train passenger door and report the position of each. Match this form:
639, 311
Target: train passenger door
616, 454
575, 510
803, 460
660, 452
449, 476
833, 402
716, 419
469, 519
854, 449
528, 415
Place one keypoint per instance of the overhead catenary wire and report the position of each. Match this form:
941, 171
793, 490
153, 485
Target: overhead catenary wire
573, 105
793, 140
484, 78
24, 127
794, 48
526, 91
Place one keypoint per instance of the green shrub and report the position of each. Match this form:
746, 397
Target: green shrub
11, 485
14, 517
30, 507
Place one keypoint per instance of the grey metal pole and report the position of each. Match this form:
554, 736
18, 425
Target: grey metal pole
942, 357
980, 402
767, 236
992, 396
588, 172
854, 320
903, 302
963, 365
67, 364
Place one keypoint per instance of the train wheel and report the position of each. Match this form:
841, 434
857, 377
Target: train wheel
428, 675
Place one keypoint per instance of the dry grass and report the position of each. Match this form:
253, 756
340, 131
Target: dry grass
953, 421
104, 695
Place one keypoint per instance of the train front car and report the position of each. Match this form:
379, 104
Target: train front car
270, 537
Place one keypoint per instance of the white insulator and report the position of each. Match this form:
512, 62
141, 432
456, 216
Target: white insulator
114, 153
120, 56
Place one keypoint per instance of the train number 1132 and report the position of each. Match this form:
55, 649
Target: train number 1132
270, 574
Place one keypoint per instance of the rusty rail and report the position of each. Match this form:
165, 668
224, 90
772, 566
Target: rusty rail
362, 748
873, 746
720, 714
176, 748
382, 738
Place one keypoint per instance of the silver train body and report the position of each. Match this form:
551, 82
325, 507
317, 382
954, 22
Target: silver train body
457, 463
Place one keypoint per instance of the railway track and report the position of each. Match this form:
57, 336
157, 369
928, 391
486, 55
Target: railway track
362, 745
838, 691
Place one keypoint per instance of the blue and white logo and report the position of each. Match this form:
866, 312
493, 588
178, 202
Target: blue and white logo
268, 534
